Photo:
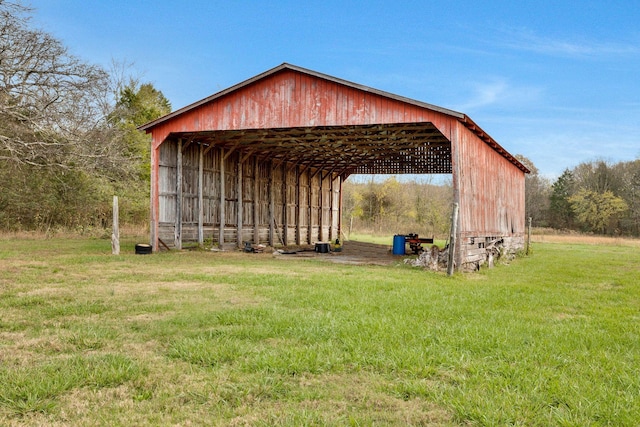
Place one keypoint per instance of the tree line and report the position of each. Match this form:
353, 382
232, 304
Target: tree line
68, 138
383, 206
596, 197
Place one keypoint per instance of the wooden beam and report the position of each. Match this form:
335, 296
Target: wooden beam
453, 244
240, 203
272, 210
201, 196
298, 208
333, 231
185, 146
340, 207
310, 206
318, 170
178, 183
246, 155
231, 150
321, 213
285, 206
223, 202
256, 203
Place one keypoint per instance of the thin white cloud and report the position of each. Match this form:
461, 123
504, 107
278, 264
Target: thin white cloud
526, 40
499, 92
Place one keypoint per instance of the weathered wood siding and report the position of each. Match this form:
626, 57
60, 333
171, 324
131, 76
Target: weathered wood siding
276, 202
490, 195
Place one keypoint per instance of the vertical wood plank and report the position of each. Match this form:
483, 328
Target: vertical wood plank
320, 212
256, 202
298, 208
201, 196
240, 203
178, 222
453, 241
223, 197
309, 206
285, 206
340, 209
272, 207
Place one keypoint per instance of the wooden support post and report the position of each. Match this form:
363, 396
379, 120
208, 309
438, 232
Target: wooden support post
223, 200
298, 208
452, 240
340, 210
321, 214
178, 222
201, 196
256, 202
240, 212
272, 210
310, 207
153, 192
528, 235
331, 215
285, 206
115, 235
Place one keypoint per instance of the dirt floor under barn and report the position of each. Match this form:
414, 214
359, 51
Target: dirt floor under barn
357, 253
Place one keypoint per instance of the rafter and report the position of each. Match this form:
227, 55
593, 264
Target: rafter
380, 148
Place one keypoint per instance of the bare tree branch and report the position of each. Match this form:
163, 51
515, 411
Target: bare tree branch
53, 106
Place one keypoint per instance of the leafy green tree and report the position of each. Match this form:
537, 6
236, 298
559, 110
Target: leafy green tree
136, 105
596, 210
561, 213
630, 192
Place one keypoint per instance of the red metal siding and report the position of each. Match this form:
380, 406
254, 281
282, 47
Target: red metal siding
491, 192
292, 99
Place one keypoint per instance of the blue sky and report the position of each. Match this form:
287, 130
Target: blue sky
556, 81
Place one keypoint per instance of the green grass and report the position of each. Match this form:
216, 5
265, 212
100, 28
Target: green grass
201, 338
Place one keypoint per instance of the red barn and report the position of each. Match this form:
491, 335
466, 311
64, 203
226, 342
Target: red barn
264, 161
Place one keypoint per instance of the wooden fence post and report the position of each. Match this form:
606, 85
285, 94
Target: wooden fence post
528, 235
452, 239
115, 235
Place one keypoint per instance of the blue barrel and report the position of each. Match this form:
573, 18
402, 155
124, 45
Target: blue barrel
398, 244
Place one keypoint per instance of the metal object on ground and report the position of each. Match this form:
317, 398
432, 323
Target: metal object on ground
322, 247
143, 249
415, 242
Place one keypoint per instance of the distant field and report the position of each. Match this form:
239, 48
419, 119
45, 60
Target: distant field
585, 239
203, 338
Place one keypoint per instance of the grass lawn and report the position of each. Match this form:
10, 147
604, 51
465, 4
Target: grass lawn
203, 338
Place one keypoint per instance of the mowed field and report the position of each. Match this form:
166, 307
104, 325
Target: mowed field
233, 339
